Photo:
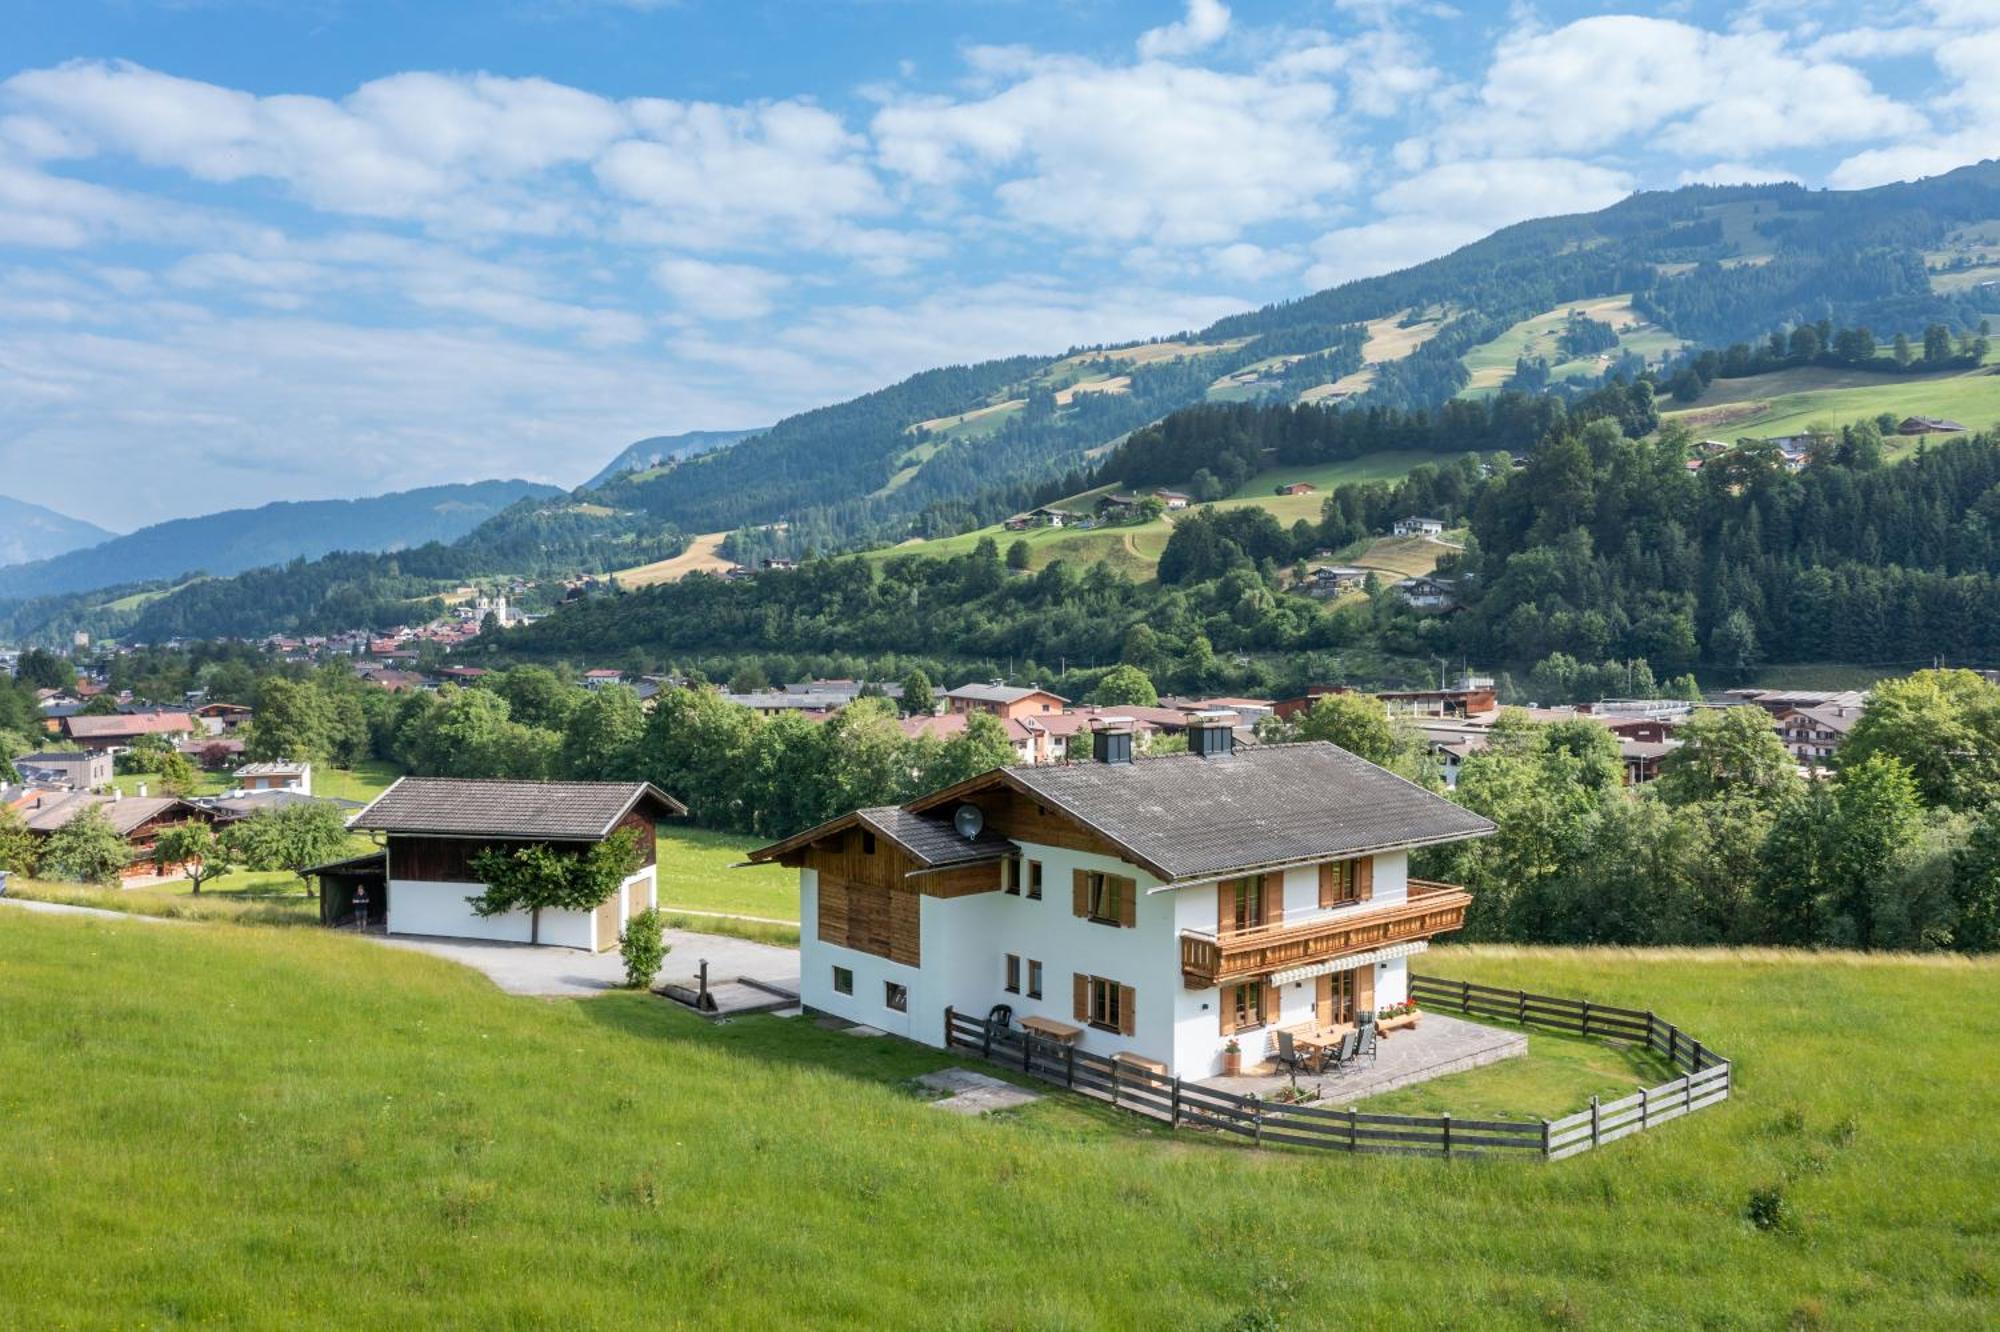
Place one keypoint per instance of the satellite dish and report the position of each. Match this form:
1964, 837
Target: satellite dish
968, 820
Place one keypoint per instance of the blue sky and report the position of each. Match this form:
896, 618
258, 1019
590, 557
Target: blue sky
255, 249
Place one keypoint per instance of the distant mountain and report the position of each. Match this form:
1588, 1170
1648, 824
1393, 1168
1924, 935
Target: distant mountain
237, 539
657, 450
31, 532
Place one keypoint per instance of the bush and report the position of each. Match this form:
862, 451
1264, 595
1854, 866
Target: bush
642, 948
1769, 1209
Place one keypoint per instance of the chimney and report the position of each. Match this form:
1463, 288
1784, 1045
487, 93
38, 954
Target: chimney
1111, 739
1211, 733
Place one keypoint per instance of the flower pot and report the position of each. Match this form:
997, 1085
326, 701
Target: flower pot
1232, 1063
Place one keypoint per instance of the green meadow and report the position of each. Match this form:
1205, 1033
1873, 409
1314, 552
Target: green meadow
230, 1127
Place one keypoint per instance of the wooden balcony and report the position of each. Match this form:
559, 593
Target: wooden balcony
1209, 959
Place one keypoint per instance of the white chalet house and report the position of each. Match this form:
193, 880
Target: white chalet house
1155, 908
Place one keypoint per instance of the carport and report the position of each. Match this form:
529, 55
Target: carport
341, 883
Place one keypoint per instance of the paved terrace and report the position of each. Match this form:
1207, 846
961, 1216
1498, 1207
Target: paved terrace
1437, 1045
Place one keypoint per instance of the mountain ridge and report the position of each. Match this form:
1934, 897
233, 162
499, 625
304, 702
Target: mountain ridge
30, 532
656, 450
232, 541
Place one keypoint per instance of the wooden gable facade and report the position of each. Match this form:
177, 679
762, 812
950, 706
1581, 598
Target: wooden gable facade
871, 890
435, 859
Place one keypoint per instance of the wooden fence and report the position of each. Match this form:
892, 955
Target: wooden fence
1178, 1102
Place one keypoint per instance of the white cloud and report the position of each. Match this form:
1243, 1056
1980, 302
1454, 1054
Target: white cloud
1172, 154
720, 291
1597, 81
1204, 24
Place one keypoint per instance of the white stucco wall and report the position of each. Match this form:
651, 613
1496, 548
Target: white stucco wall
418, 906
965, 941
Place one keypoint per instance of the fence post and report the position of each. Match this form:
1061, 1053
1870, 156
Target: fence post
1545, 1140
1687, 1092
1673, 1039
1521, 1007
1115, 1066
1447, 1133
1586, 1017
947, 1027
1593, 1121
986, 1042
1464, 995
1257, 1118
1697, 1058
1649, 1029
1027, 1052
1069, 1066
1174, 1105
1645, 1109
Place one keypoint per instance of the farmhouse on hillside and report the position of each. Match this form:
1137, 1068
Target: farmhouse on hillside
1159, 909
1418, 527
433, 828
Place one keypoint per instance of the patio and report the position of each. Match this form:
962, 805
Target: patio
1436, 1046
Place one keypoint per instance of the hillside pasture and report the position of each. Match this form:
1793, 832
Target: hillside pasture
703, 554
1490, 363
1787, 401
234, 1127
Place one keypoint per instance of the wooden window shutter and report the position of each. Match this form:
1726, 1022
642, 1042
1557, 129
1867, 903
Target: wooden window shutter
1128, 902
1364, 990
1128, 1021
1270, 1003
1079, 892
1225, 906
1364, 878
1227, 997
1329, 882
1082, 997
1270, 897
1323, 1001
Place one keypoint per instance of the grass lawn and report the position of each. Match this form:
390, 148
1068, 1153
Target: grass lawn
1789, 400
1490, 363
695, 875
362, 782
251, 899
1822, 675
1557, 1077
265, 1127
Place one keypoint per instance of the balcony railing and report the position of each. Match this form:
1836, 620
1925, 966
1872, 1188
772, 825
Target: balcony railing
1221, 959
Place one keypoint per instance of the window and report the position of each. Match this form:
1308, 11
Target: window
1243, 903
895, 998
1010, 877
1107, 1004
843, 981
1337, 882
1035, 880
1034, 979
1013, 974
867, 843
1245, 1006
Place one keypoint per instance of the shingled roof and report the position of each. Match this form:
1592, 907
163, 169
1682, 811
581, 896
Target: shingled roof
553, 811
931, 841
1184, 817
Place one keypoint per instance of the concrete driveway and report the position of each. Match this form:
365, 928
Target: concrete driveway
526, 969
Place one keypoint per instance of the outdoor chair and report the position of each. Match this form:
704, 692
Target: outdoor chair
1289, 1058
1369, 1040
1345, 1055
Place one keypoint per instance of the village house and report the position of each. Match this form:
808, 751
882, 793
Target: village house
1004, 701
1814, 734
1425, 592
138, 819
1297, 488
1418, 527
602, 678
222, 718
1928, 425
1162, 909
1175, 500
275, 777
117, 731
1332, 580
78, 769
433, 828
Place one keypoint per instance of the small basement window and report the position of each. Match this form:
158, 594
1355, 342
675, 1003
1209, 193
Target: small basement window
895, 997
843, 981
